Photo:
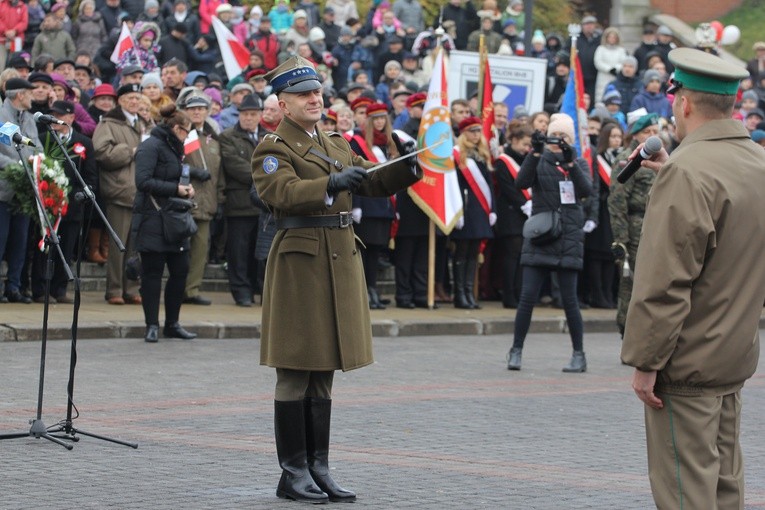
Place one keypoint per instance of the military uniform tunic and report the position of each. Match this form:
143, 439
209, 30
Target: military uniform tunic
315, 311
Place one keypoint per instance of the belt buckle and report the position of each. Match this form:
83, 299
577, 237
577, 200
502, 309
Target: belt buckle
345, 219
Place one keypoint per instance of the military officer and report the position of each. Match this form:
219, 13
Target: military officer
314, 274
692, 325
626, 204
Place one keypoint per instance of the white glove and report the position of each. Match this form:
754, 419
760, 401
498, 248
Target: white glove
356, 214
494, 147
460, 223
589, 226
492, 218
526, 208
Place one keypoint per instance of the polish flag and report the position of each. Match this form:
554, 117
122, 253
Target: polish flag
191, 143
124, 43
234, 54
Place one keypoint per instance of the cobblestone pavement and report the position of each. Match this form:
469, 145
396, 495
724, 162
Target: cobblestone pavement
436, 423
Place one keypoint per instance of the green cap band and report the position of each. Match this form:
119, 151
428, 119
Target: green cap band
705, 83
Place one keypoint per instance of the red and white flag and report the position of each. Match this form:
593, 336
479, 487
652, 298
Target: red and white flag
234, 54
124, 43
438, 192
191, 143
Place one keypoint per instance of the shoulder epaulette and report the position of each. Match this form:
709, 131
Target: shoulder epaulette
272, 137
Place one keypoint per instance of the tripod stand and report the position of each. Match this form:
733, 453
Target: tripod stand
38, 428
65, 426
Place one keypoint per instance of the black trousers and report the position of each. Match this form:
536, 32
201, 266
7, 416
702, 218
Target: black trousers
511, 274
533, 279
67, 235
152, 267
240, 256
411, 269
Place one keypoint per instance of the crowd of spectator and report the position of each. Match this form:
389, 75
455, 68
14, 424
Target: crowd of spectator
382, 60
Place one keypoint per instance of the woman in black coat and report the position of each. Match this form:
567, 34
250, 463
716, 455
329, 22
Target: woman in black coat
601, 269
158, 171
510, 209
473, 160
373, 216
559, 180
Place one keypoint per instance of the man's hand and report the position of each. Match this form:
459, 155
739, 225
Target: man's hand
349, 179
643, 384
655, 163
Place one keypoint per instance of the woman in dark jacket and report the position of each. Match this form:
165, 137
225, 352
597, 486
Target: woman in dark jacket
473, 160
558, 180
511, 203
601, 269
373, 216
158, 174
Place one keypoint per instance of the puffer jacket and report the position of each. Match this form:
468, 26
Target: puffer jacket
157, 173
540, 173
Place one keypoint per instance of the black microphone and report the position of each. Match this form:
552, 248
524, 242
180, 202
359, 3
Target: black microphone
20, 139
651, 147
47, 119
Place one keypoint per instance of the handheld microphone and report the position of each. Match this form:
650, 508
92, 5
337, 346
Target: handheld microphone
651, 147
47, 119
9, 135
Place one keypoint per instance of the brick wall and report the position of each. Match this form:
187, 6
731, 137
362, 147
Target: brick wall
695, 11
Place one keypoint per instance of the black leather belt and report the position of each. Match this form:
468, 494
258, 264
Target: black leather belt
340, 220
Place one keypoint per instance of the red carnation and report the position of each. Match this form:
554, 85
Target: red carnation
49, 202
64, 209
43, 186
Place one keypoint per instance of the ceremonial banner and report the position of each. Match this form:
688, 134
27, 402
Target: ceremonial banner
438, 192
573, 105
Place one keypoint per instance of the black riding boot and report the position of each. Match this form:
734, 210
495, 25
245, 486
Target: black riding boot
460, 300
470, 270
317, 425
289, 428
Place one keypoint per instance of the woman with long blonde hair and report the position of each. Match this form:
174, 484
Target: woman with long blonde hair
473, 160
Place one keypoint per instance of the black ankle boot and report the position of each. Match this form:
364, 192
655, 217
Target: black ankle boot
175, 330
578, 363
317, 416
290, 433
514, 358
374, 299
152, 334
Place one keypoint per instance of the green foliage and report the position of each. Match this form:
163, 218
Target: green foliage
749, 18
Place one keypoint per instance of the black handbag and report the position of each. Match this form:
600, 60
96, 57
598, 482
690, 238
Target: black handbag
177, 222
543, 228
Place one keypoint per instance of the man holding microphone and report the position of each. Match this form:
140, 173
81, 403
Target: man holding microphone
692, 324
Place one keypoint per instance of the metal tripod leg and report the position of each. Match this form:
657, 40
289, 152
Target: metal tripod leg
69, 433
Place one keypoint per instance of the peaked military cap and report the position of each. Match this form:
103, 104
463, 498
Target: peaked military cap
702, 71
294, 75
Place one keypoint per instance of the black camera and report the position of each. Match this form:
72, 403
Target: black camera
553, 140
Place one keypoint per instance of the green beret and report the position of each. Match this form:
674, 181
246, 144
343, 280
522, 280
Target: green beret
643, 122
702, 71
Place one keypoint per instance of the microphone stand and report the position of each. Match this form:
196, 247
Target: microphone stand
65, 426
38, 428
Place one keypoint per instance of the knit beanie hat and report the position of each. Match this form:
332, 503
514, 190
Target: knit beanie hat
152, 79
561, 123
650, 76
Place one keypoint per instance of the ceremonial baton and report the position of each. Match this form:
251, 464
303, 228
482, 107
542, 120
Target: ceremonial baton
405, 156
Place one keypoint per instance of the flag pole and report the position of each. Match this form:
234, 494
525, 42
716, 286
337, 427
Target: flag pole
431, 264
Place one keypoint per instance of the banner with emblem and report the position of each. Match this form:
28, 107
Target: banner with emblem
438, 192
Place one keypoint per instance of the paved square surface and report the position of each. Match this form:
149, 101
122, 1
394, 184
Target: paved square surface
436, 423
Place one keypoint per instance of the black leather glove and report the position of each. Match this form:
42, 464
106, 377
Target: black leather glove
405, 148
566, 151
619, 251
613, 71
349, 179
538, 142
199, 173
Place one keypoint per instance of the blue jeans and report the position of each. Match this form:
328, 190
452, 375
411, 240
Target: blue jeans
533, 279
14, 229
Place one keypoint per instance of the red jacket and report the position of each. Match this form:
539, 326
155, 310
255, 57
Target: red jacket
13, 16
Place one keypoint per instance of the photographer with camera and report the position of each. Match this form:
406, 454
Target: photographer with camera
559, 180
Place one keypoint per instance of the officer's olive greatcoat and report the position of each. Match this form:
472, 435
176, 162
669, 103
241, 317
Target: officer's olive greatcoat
315, 310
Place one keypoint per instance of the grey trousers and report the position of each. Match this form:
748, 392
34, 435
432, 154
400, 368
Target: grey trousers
292, 385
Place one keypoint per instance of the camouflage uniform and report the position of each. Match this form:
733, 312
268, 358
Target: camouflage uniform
626, 205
